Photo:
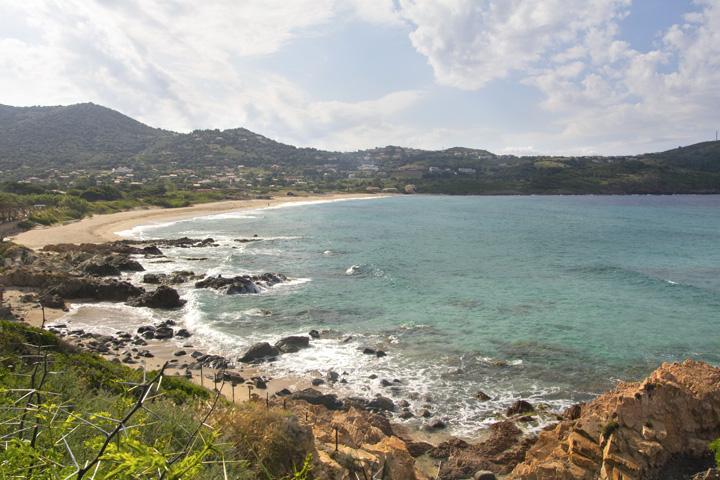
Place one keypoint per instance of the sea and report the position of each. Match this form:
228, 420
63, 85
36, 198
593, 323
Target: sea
551, 299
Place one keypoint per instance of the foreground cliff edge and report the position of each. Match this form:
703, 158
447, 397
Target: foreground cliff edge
643, 430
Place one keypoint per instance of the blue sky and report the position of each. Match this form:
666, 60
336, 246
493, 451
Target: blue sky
511, 76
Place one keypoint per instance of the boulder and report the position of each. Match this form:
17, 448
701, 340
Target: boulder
314, 397
53, 301
258, 352
519, 407
382, 404
292, 344
163, 297
638, 431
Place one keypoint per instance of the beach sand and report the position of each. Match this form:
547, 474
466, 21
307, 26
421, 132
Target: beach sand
105, 228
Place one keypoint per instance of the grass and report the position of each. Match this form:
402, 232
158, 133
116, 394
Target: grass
82, 395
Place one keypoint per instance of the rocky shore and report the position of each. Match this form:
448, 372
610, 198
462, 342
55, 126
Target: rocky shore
658, 428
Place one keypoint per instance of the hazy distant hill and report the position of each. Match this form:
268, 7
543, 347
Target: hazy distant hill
91, 136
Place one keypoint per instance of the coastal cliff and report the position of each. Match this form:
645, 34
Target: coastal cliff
642, 430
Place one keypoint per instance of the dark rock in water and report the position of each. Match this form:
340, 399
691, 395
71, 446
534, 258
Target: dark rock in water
183, 333
146, 328
314, 334
437, 425
292, 344
372, 376
52, 301
403, 404
519, 407
332, 376
425, 413
258, 352
417, 449
381, 403
180, 353
369, 351
148, 334
314, 397
153, 278
152, 250
180, 276
380, 354
482, 396
385, 383
405, 414
163, 333
317, 382
196, 354
242, 284
164, 297
357, 402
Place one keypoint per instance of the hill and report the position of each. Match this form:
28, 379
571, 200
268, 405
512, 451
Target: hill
86, 135
88, 139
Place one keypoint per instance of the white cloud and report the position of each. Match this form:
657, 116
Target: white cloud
469, 43
183, 65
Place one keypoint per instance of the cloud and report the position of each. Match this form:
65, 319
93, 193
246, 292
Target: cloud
469, 43
183, 65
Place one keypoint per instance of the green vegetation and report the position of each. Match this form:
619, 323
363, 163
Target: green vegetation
68, 414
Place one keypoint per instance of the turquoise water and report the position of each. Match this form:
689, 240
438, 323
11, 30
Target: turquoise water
547, 298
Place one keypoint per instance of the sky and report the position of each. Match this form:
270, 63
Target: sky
518, 77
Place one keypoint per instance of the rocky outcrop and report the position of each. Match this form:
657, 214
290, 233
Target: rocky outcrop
498, 454
110, 265
259, 352
293, 343
95, 289
242, 284
637, 431
163, 297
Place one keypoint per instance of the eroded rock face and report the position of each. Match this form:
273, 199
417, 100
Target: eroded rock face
634, 432
258, 352
293, 343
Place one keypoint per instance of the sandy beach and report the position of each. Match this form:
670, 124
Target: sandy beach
104, 228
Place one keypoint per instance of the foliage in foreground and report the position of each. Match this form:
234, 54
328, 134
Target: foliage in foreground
71, 415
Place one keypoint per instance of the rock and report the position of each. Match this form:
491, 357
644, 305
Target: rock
153, 278
162, 333
385, 383
640, 430
380, 353
446, 448
482, 396
180, 353
101, 269
381, 403
417, 449
283, 393
314, 397
369, 351
163, 297
314, 334
332, 376
573, 412
258, 352
498, 454
259, 383
183, 333
242, 284
484, 475
519, 407
233, 377
70, 287
316, 382
425, 413
53, 301
436, 425
292, 344
405, 414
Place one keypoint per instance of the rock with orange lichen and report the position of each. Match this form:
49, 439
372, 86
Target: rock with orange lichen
640, 430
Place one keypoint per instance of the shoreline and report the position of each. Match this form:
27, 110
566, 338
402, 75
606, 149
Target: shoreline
105, 227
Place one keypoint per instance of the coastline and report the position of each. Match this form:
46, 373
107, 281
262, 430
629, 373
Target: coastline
105, 228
